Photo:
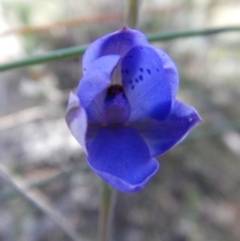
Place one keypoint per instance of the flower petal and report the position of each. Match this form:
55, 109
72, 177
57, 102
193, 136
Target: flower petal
161, 136
76, 119
121, 157
92, 87
145, 84
170, 70
119, 42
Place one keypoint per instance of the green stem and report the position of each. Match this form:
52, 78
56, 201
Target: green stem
191, 33
106, 212
132, 13
50, 56
77, 51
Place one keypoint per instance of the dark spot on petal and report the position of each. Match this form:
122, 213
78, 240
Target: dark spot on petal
140, 77
129, 56
136, 80
130, 81
141, 47
149, 71
141, 69
157, 69
126, 71
132, 87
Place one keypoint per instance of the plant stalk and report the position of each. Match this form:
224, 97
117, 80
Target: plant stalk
79, 50
107, 204
132, 13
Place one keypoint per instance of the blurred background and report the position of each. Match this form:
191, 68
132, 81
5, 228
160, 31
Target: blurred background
47, 192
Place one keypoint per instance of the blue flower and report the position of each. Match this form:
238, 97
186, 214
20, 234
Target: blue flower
125, 111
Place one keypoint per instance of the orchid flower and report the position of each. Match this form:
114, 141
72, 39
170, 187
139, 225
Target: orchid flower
125, 112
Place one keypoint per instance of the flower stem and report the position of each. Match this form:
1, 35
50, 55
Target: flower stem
132, 13
106, 213
79, 50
